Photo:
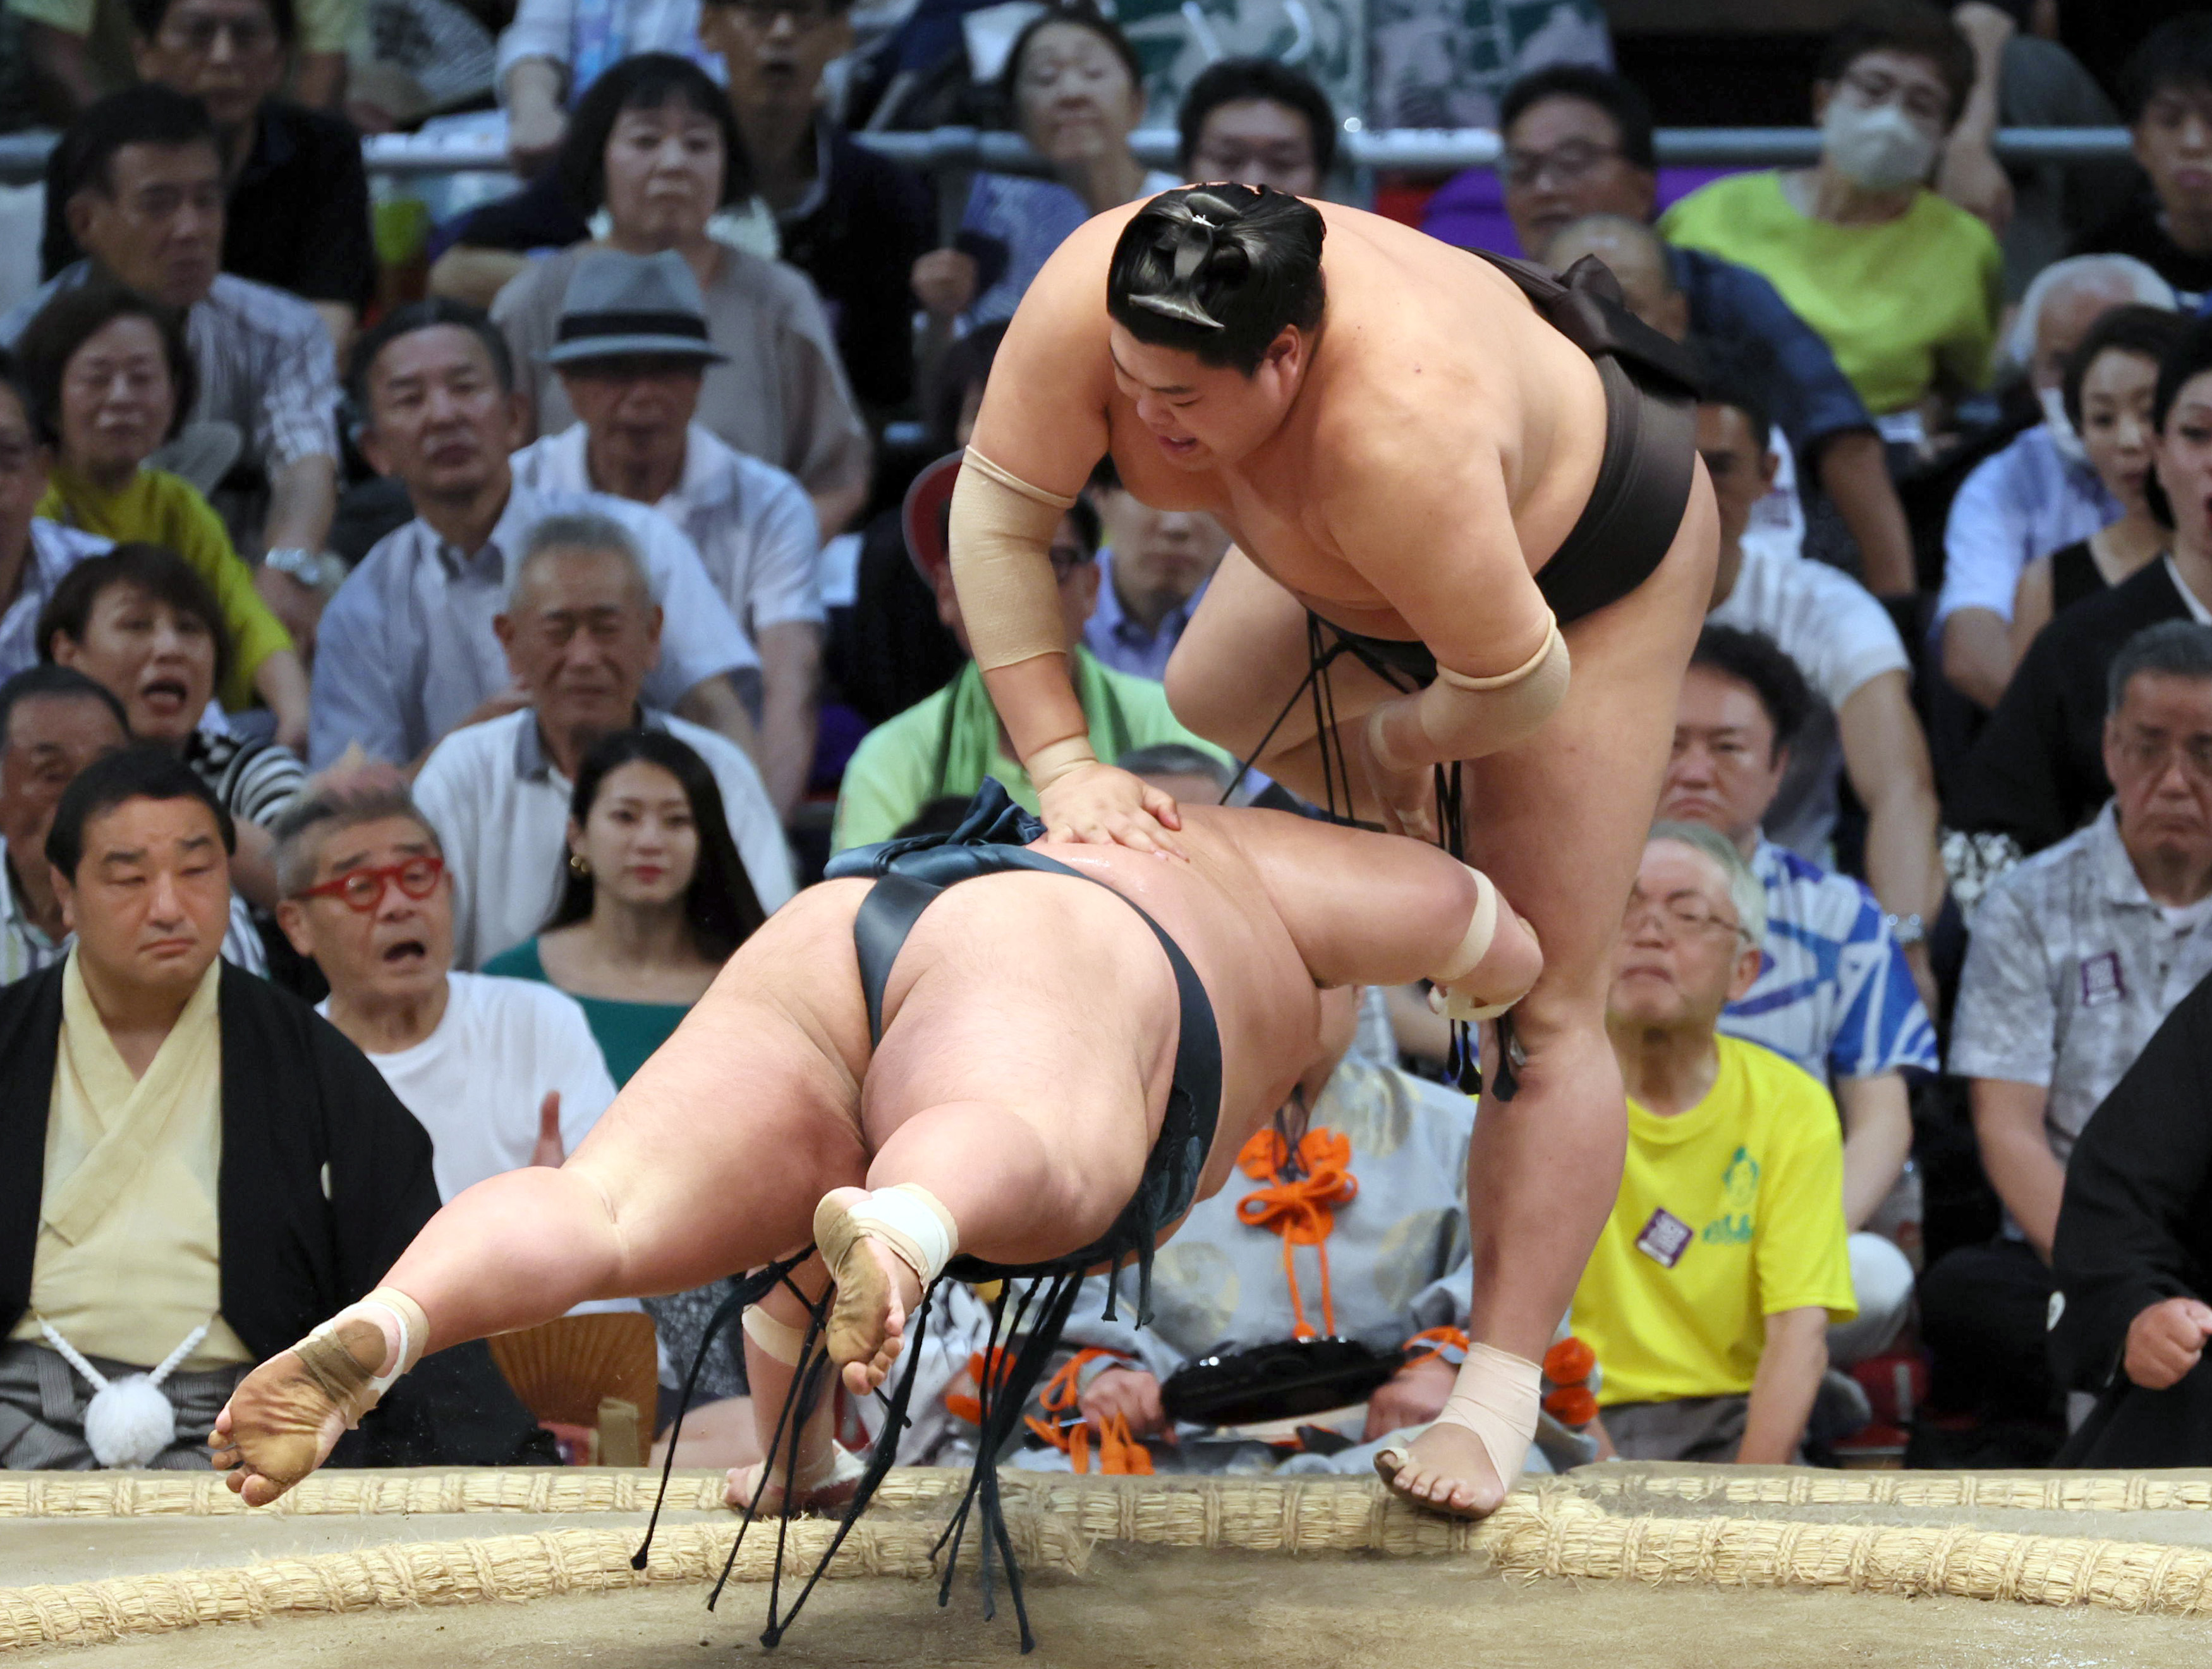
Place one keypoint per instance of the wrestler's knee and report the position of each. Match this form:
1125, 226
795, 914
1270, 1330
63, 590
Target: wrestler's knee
1209, 704
1564, 1008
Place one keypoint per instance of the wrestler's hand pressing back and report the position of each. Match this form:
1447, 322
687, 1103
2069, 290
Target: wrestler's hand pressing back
1105, 805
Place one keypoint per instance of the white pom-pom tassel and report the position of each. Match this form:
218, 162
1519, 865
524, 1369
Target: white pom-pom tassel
129, 1422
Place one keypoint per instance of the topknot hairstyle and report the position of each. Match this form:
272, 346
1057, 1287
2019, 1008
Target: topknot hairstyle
1218, 271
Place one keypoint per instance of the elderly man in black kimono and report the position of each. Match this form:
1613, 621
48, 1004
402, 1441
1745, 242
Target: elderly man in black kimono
193, 1166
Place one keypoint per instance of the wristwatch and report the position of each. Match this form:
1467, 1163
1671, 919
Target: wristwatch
1906, 930
311, 568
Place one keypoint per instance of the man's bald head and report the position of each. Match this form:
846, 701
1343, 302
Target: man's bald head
1637, 256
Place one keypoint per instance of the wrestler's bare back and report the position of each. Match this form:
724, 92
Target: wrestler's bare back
1029, 984
1443, 428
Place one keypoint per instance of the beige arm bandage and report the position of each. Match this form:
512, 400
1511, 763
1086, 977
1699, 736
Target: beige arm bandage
1465, 718
1001, 530
1057, 759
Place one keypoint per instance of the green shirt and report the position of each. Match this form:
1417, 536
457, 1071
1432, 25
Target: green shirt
160, 508
945, 745
1905, 306
627, 1032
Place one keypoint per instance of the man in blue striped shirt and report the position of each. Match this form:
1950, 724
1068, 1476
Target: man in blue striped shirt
1833, 994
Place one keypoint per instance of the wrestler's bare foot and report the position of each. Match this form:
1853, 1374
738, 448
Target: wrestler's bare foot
1445, 1469
280, 1425
749, 1486
876, 1293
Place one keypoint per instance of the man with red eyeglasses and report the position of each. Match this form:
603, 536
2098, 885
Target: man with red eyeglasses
501, 1072
192, 1166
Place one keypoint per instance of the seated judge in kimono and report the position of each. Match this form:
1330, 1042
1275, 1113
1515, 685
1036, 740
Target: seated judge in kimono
2133, 1257
193, 1166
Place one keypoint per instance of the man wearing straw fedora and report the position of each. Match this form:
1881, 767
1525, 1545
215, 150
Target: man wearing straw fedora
631, 354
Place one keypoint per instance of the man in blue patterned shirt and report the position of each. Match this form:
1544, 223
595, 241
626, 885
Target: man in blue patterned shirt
1833, 994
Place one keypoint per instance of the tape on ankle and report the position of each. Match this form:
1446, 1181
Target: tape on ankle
344, 1378
355, 1387
1481, 933
914, 1222
414, 1330
778, 1340
1497, 1397
1001, 540
1057, 759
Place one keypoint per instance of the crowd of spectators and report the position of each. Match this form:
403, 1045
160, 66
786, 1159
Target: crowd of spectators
410, 700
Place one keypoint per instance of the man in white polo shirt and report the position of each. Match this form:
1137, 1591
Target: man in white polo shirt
632, 353
491, 1067
581, 631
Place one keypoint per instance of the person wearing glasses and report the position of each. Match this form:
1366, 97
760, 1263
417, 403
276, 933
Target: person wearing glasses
1710, 1295
86, 48
296, 217
501, 1072
1905, 285
1578, 141
2077, 957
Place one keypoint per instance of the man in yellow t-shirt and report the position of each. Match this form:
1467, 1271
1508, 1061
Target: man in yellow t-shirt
1709, 1293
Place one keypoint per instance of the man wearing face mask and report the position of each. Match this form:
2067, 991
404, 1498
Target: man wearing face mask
1904, 286
2039, 493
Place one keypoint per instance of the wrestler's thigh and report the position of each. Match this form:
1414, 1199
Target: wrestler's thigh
715, 1154
1242, 658
1559, 822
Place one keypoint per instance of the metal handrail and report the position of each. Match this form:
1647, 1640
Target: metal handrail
398, 155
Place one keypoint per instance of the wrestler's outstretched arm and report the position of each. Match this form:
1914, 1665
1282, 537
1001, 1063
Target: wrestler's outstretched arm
1042, 429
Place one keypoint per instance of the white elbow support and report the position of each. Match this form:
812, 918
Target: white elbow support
1001, 530
1466, 718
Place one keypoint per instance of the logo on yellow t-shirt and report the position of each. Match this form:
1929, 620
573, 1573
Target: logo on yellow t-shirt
1740, 1195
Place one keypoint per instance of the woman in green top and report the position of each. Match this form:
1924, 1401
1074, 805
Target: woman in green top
112, 379
655, 901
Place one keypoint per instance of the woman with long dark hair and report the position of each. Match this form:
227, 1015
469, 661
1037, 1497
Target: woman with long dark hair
655, 901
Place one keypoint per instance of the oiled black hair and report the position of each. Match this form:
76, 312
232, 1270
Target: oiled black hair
1218, 271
